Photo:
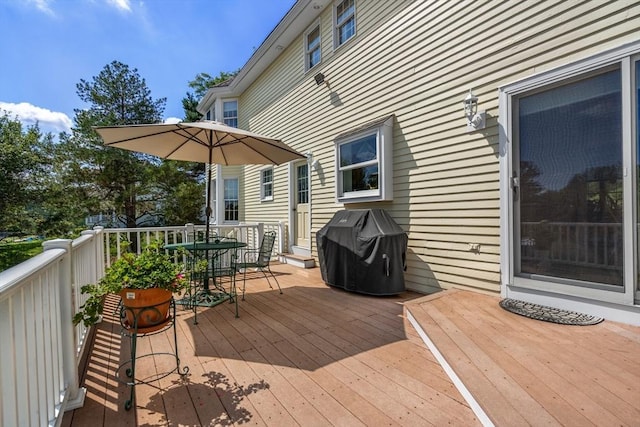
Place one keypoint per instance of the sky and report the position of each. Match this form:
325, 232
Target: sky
48, 46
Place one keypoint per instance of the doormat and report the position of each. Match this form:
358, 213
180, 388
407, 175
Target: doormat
548, 314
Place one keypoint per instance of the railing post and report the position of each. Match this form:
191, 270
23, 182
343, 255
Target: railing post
281, 237
260, 233
99, 246
75, 395
190, 230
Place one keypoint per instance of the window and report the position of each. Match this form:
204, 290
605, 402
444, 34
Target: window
266, 184
303, 184
230, 113
231, 199
208, 117
345, 24
312, 47
365, 164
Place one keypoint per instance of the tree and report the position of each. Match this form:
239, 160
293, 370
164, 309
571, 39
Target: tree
201, 84
18, 164
121, 179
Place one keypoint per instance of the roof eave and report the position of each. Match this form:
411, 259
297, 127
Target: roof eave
295, 22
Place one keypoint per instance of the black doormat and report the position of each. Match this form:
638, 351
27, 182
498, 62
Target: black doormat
548, 314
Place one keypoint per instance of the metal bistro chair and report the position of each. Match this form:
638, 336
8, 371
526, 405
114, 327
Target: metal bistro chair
224, 264
212, 276
259, 259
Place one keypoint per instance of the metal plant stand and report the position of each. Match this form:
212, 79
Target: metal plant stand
139, 322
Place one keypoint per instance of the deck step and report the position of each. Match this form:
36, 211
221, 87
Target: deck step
300, 261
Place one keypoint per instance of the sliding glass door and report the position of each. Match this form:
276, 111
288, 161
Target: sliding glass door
574, 171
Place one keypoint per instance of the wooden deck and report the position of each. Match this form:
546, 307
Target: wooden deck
316, 355
528, 372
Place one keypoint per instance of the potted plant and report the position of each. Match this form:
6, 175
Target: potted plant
136, 278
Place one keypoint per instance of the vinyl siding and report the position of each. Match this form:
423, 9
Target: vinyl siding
417, 60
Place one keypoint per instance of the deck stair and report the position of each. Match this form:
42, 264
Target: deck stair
297, 260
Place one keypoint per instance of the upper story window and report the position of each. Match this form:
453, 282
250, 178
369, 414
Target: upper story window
345, 21
230, 113
365, 164
208, 116
266, 184
231, 199
312, 47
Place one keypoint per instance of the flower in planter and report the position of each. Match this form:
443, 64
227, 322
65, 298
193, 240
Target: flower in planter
152, 268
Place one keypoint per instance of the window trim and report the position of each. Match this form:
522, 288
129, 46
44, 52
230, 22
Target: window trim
336, 27
383, 130
224, 200
263, 196
228, 100
305, 41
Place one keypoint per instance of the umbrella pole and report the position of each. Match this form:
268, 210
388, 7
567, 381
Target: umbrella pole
208, 209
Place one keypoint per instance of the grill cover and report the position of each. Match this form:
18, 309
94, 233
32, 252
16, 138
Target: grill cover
363, 251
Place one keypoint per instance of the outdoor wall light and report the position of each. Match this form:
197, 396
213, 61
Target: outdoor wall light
320, 79
313, 163
475, 119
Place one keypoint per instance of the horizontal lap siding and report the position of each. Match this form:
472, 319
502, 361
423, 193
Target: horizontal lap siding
417, 60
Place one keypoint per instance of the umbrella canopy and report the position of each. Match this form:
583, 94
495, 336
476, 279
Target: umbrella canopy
205, 142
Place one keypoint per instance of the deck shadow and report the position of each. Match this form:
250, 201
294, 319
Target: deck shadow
303, 328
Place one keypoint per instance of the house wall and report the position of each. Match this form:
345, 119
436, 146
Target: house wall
417, 60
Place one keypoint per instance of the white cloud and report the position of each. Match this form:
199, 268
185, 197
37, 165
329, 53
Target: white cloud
123, 5
172, 120
42, 5
28, 114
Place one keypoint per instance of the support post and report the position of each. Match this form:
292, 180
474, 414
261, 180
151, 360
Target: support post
75, 395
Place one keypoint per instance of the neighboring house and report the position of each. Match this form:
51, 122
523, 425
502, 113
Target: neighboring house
536, 199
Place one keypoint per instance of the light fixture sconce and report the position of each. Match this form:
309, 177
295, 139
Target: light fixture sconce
475, 119
313, 163
320, 79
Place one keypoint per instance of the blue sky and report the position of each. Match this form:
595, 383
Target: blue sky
47, 46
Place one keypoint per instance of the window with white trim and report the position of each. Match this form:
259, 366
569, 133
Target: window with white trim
231, 199
364, 163
230, 113
266, 184
345, 22
313, 54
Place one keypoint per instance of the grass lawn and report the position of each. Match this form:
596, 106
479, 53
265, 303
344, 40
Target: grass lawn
14, 253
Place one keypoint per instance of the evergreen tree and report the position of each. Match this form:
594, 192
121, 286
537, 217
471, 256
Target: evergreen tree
121, 179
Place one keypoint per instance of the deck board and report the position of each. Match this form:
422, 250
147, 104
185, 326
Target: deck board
316, 355
546, 373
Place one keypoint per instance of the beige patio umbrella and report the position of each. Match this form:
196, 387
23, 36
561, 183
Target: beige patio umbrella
205, 142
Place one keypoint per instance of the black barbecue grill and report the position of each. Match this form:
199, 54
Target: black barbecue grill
363, 250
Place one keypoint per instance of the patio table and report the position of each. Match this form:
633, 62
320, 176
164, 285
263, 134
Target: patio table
200, 292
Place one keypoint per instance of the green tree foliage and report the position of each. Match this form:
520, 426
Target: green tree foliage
200, 85
120, 179
182, 184
19, 170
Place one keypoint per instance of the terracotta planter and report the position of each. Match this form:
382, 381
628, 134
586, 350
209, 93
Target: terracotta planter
146, 309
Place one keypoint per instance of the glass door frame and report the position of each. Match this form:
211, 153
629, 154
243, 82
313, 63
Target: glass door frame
625, 57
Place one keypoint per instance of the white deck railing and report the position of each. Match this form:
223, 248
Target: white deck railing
40, 348
580, 244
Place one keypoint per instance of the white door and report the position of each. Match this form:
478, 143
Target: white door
301, 205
